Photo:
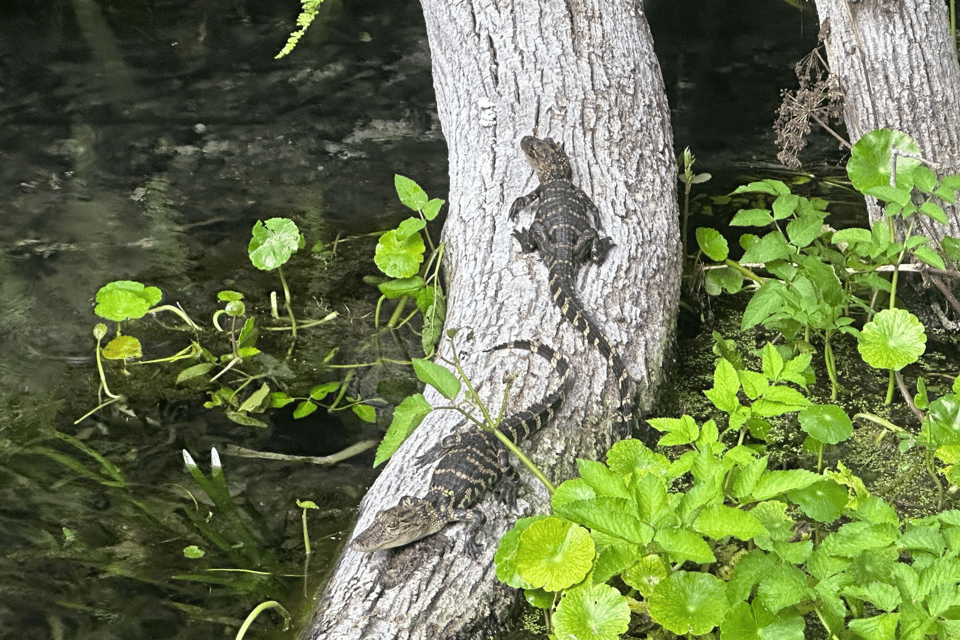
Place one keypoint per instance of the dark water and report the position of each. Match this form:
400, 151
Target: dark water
142, 140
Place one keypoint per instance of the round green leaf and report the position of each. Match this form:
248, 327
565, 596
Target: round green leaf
273, 242
871, 160
597, 612
646, 574
689, 603
554, 554
399, 252
744, 620
823, 501
894, 339
826, 423
121, 348
125, 300
506, 561
713, 244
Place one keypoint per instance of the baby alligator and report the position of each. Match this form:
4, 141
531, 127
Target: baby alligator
565, 231
471, 463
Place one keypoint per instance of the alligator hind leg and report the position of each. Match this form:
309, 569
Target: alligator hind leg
534, 238
600, 249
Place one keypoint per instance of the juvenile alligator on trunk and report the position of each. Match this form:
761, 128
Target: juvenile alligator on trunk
565, 230
471, 463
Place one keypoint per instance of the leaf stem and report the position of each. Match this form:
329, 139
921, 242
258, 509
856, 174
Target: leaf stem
286, 302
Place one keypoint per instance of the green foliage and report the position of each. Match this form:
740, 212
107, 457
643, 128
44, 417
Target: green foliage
865, 572
819, 278
243, 382
307, 15
766, 390
125, 300
592, 612
273, 242
406, 417
234, 531
400, 251
892, 340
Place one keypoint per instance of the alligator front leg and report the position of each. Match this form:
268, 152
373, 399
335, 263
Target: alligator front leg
523, 202
475, 520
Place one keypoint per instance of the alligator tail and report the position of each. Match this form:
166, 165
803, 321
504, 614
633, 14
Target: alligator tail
564, 296
520, 425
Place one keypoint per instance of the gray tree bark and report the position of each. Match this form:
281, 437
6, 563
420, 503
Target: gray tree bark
582, 72
897, 67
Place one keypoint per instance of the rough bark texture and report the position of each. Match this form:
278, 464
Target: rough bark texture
582, 72
897, 67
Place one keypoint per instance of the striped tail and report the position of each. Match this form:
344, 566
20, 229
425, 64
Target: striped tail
522, 424
564, 296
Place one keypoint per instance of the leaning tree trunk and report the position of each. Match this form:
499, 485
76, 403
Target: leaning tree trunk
582, 72
897, 67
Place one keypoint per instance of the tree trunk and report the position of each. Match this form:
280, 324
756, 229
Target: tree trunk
897, 67
584, 73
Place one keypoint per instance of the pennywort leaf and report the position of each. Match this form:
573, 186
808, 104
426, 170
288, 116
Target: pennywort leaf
595, 612
892, 340
689, 603
554, 554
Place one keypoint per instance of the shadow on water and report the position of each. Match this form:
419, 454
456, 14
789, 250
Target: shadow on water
142, 140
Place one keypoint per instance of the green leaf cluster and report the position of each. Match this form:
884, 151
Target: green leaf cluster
400, 254
766, 392
820, 278
126, 300
712, 540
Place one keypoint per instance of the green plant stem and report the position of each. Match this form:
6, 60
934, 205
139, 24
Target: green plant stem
263, 606
395, 318
286, 302
103, 376
178, 311
306, 552
342, 392
878, 420
685, 217
230, 365
306, 325
831, 365
736, 266
426, 234
97, 408
932, 472
183, 354
889, 397
492, 426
